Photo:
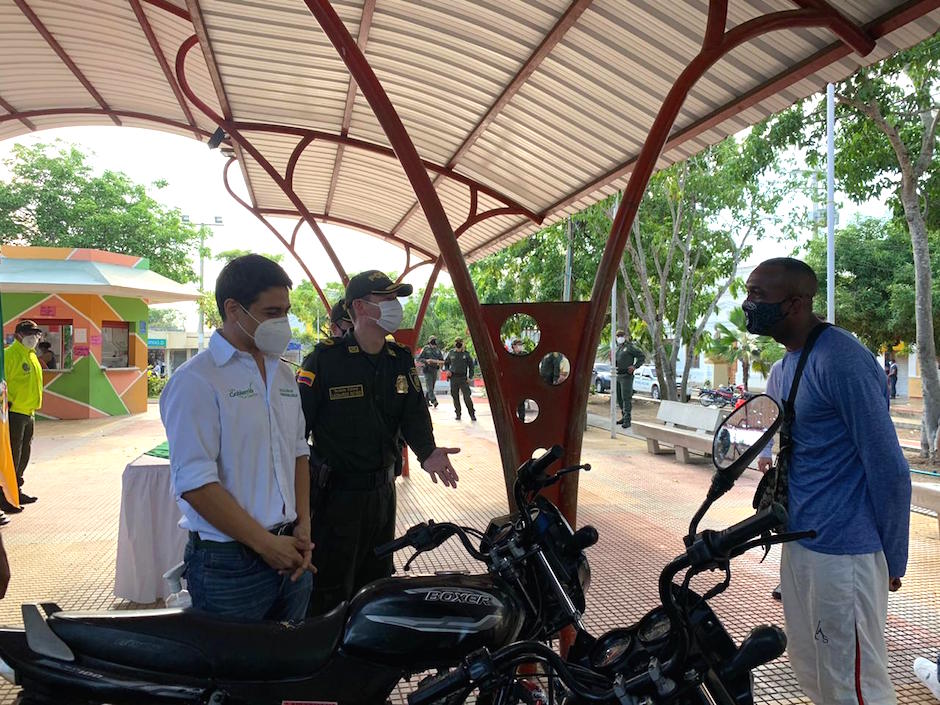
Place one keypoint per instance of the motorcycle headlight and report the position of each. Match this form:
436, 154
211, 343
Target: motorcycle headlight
584, 573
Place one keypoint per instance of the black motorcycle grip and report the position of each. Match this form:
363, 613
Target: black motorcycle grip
440, 687
387, 549
732, 537
540, 465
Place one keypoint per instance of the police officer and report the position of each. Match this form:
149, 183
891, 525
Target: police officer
359, 395
24, 385
432, 358
460, 364
340, 322
627, 359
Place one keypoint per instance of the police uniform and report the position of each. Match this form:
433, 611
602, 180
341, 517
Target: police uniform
24, 385
339, 317
431, 370
357, 406
460, 365
628, 355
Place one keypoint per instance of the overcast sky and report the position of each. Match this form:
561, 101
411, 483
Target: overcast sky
194, 176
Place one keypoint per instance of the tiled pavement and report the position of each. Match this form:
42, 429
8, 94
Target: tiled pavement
63, 548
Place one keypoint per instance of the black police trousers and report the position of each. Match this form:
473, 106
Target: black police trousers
458, 386
21, 442
346, 529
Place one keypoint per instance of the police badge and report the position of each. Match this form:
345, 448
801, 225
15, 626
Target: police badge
401, 385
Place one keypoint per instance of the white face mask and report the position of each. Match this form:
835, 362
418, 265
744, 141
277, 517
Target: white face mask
390, 315
30, 341
620, 340
271, 336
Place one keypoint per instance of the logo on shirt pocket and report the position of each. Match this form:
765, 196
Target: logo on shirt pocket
247, 393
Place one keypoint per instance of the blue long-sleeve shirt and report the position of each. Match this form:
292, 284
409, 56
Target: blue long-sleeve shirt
849, 479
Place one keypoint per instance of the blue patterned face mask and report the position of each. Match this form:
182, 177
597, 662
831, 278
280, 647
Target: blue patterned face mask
761, 316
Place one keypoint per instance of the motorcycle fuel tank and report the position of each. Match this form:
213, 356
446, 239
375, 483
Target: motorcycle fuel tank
430, 621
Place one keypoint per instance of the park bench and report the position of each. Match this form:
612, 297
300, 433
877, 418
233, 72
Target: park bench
926, 495
685, 427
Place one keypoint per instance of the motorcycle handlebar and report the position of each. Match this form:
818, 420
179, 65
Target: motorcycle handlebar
387, 549
727, 540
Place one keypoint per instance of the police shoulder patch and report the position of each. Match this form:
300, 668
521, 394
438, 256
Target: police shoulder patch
305, 377
413, 375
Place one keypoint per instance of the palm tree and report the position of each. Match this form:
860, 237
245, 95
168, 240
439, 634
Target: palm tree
733, 343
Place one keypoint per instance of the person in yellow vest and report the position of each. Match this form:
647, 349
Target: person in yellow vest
24, 386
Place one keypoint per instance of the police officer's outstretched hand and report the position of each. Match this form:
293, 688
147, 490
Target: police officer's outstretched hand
438, 465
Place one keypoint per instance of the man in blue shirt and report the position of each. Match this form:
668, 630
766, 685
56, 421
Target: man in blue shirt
239, 456
848, 480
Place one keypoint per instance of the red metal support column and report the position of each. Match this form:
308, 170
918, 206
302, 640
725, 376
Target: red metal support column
434, 211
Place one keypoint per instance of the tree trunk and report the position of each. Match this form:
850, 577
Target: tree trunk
923, 297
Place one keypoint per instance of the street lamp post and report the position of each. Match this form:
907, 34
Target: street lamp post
216, 222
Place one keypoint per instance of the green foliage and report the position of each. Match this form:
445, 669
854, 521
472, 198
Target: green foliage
165, 318
875, 280
733, 343
52, 199
209, 309
155, 385
228, 255
444, 318
305, 303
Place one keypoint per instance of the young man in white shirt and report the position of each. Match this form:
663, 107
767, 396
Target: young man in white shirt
238, 456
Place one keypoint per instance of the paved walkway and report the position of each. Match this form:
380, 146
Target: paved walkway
63, 548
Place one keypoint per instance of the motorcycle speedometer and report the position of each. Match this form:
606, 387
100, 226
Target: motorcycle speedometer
611, 649
654, 629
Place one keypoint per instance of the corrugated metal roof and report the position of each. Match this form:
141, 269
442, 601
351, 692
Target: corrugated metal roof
551, 130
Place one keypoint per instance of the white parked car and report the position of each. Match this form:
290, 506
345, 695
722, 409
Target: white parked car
645, 381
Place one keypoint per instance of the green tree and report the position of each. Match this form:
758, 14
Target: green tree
443, 319
886, 131
305, 303
52, 199
165, 318
228, 255
733, 343
875, 297
696, 223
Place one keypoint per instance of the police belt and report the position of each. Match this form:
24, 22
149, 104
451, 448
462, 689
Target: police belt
284, 529
361, 481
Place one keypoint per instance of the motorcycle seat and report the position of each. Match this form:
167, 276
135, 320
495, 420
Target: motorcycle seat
195, 643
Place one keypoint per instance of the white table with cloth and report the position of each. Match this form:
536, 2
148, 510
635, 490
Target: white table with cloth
150, 541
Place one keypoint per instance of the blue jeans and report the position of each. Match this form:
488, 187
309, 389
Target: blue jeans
232, 580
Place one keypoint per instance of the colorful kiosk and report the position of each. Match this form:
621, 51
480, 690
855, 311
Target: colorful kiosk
93, 307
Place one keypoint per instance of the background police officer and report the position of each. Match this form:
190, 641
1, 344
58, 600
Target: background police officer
359, 394
340, 322
24, 386
460, 364
433, 359
627, 359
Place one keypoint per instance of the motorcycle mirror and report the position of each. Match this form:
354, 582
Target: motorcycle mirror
744, 434
739, 439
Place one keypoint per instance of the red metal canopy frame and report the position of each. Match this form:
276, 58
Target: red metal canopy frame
571, 328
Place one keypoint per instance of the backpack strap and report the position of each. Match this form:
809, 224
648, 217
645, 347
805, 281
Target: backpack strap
804, 355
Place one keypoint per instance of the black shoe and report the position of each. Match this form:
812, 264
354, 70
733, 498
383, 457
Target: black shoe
620, 420
9, 508
26, 499
473, 417
775, 593
4, 519
435, 405
457, 417
625, 424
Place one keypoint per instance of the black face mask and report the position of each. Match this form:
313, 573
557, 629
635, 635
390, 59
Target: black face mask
761, 316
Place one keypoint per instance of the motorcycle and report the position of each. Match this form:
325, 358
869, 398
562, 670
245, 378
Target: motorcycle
472, 630
534, 584
679, 652
723, 396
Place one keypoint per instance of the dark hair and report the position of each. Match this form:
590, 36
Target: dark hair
244, 278
802, 276
44, 345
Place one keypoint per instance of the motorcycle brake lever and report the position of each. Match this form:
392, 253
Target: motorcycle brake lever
407, 566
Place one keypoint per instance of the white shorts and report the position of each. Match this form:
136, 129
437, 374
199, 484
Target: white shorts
835, 609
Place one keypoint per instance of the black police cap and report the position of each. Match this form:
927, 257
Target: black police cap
374, 282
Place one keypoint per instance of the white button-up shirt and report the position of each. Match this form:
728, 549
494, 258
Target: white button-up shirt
225, 425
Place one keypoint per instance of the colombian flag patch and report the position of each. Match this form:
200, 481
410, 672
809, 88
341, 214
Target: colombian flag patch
305, 377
